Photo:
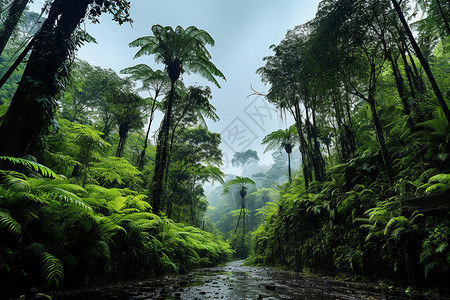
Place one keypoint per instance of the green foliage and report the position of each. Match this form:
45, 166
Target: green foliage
99, 232
7, 222
435, 253
182, 49
52, 269
43, 170
116, 171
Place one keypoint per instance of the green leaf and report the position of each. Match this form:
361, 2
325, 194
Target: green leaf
6, 221
52, 269
43, 170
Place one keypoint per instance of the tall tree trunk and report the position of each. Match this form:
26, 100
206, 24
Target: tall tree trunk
32, 107
161, 154
302, 147
243, 223
237, 224
15, 12
417, 78
17, 62
382, 144
142, 156
123, 133
444, 18
424, 62
408, 72
289, 167
317, 153
308, 144
401, 90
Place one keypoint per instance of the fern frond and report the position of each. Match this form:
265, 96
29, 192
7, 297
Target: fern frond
394, 222
8, 222
437, 187
17, 182
441, 178
52, 269
43, 170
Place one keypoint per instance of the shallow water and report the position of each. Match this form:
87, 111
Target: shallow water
234, 281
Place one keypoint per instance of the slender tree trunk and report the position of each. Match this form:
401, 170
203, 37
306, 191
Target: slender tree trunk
237, 224
302, 147
317, 153
401, 90
329, 153
243, 223
444, 18
142, 156
382, 144
289, 167
417, 78
161, 154
408, 72
424, 62
17, 62
32, 107
169, 207
310, 146
15, 12
123, 133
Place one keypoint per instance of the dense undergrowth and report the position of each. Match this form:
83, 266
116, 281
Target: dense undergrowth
356, 224
375, 204
56, 233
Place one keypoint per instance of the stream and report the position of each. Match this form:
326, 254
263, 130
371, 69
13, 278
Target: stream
235, 281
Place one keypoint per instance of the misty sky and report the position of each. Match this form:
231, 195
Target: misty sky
243, 31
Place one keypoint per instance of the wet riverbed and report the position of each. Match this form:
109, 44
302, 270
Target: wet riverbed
234, 281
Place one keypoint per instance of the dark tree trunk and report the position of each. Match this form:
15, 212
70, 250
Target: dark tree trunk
123, 133
15, 12
302, 148
289, 167
16, 63
417, 78
237, 224
243, 222
424, 62
142, 156
401, 90
32, 107
161, 154
408, 72
317, 153
441, 11
382, 144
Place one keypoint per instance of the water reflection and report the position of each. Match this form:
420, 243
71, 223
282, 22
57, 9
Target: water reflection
234, 281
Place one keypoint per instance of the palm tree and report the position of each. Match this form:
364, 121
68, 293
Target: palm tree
180, 50
156, 81
286, 139
242, 182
